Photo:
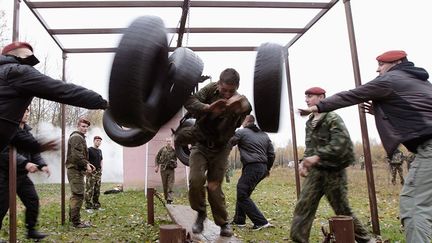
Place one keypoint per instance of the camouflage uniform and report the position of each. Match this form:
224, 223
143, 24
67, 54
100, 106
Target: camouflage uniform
210, 152
330, 140
76, 162
396, 166
167, 159
409, 159
93, 180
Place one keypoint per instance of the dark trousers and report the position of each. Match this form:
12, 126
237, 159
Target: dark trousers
26, 192
251, 175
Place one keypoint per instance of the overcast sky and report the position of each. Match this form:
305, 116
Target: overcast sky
320, 58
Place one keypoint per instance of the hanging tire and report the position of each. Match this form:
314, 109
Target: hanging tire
126, 137
183, 138
268, 85
138, 78
185, 69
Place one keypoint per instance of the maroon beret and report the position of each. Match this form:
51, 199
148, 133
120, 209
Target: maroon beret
97, 137
15, 45
315, 91
391, 56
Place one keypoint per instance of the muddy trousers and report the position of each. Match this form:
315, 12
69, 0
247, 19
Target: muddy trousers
76, 183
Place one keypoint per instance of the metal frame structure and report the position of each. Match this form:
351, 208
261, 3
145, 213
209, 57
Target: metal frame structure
185, 6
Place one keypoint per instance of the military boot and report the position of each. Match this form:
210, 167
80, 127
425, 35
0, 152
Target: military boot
198, 226
226, 230
34, 234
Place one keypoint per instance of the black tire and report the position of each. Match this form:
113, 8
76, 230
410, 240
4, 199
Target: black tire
139, 74
268, 85
185, 69
126, 137
183, 138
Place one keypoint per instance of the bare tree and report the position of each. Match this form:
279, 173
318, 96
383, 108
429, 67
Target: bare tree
4, 30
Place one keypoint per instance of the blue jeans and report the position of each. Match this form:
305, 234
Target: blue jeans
252, 174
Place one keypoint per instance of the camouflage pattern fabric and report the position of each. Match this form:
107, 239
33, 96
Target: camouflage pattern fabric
330, 140
76, 183
77, 152
93, 184
166, 158
396, 166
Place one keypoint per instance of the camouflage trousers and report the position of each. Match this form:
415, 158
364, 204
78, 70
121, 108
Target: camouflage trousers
333, 185
395, 169
76, 183
93, 184
208, 165
168, 178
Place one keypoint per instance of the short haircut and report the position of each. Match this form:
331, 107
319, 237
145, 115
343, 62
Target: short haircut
97, 137
83, 120
230, 76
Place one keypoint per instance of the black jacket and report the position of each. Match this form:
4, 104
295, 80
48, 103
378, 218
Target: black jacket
23, 157
255, 146
402, 101
20, 83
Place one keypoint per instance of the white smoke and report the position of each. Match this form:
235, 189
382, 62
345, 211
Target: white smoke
112, 170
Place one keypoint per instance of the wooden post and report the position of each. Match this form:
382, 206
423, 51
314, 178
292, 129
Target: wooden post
172, 233
150, 205
342, 228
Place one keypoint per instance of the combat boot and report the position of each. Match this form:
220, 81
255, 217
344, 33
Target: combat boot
198, 226
34, 234
226, 230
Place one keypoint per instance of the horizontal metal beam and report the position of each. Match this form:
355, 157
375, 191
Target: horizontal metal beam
207, 4
203, 48
175, 30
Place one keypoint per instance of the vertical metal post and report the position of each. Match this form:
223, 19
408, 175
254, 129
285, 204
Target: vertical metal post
150, 206
15, 24
363, 124
12, 194
63, 148
12, 150
293, 131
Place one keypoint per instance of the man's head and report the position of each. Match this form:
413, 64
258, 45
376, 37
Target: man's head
249, 119
389, 59
83, 125
228, 83
23, 52
26, 116
168, 141
97, 141
314, 95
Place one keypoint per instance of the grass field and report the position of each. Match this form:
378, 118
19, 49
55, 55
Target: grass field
124, 218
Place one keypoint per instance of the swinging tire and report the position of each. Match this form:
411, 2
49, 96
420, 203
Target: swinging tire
267, 86
138, 78
126, 137
183, 137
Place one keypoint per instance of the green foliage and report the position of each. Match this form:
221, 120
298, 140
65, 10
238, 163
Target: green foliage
125, 216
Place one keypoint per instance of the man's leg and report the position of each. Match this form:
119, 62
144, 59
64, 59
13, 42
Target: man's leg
164, 178
393, 174
97, 186
197, 179
76, 182
89, 178
416, 199
218, 163
4, 198
251, 176
400, 171
336, 191
306, 206
170, 184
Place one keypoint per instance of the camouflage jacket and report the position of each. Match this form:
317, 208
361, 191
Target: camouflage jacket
77, 153
212, 130
330, 140
166, 158
397, 158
